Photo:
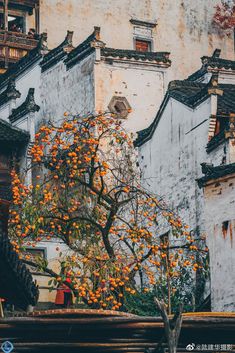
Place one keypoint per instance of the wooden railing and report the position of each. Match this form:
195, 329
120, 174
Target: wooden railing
13, 46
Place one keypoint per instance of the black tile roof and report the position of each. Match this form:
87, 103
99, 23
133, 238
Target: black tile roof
161, 57
212, 172
58, 53
9, 134
83, 50
86, 48
10, 92
198, 74
26, 107
215, 141
5, 192
24, 63
187, 92
16, 282
191, 93
213, 62
226, 102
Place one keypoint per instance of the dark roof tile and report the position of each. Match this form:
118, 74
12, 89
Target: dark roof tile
58, 53
212, 62
24, 63
26, 107
9, 133
191, 93
10, 92
226, 102
187, 92
83, 50
212, 172
16, 281
161, 57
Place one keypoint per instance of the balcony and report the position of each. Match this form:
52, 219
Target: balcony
24, 5
13, 46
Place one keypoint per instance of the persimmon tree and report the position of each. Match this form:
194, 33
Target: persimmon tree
224, 17
86, 192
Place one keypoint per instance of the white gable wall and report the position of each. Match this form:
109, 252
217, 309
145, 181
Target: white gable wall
143, 85
220, 206
69, 91
170, 161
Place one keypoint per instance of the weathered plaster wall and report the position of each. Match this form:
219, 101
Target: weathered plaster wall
30, 22
220, 225
52, 249
231, 149
143, 86
170, 161
28, 79
5, 111
220, 154
183, 26
65, 90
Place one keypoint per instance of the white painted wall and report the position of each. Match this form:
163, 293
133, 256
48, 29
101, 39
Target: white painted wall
170, 161
142, 84
217, 155
219, 207
5, 111
70, 90
52, 247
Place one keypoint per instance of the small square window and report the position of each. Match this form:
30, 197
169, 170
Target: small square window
165, 238
36, 252
142, 45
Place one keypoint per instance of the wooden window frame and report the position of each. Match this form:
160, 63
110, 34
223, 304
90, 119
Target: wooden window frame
146, 40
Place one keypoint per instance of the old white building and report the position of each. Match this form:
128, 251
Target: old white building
124, 68
180, 26
87, 78
194, 126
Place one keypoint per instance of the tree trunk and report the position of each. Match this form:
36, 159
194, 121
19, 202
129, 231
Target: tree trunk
172, 326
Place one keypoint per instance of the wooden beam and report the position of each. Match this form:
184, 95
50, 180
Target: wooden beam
5, 15
37, 19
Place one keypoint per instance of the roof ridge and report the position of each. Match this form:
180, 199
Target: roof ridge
180, 83
215, 172
58, 53
29, 105
83, 49
12, 133
26, 61
191, 101
10, 92
20, 272
131, 53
